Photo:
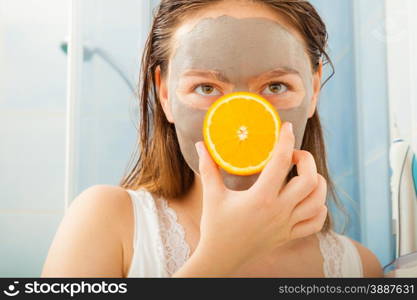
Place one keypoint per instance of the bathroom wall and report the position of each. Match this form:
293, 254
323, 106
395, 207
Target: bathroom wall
32, 127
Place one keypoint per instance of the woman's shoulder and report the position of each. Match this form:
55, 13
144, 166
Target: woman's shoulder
115, 200
96, 221
118, 204
370, 263
108, 202
105, 196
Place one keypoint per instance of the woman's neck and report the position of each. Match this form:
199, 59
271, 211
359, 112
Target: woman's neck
192, 201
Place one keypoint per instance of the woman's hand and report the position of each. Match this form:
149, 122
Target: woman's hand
238, 226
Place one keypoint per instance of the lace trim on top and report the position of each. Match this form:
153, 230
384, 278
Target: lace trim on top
332, 251
177, 250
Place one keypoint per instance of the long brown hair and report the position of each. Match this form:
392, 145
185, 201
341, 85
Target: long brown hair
157, 165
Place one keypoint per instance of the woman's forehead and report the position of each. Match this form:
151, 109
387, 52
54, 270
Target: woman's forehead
245, 46
238, 9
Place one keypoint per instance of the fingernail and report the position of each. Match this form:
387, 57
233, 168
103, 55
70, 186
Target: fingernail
198, 148
289, 124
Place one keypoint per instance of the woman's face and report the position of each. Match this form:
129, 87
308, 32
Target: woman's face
230, 47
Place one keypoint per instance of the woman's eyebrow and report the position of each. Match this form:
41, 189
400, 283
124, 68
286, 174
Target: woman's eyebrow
280, 72
219, 76
208, 73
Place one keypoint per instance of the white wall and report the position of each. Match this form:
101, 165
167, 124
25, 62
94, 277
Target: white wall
401, 42
32, 126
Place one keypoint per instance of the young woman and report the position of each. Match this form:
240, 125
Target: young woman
177, 213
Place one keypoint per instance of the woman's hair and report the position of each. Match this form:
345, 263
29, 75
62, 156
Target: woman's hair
160, 167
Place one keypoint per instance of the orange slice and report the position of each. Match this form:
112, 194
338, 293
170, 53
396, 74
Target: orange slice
240, 131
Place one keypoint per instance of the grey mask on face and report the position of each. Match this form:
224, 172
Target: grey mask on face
239, 49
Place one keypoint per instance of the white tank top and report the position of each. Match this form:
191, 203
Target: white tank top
160, 248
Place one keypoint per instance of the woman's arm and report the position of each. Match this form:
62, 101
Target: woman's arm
370, 263
89, 240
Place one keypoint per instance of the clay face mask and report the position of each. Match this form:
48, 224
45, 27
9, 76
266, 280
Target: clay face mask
240, 55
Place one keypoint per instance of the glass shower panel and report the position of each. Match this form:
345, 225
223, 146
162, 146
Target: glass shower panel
112, 34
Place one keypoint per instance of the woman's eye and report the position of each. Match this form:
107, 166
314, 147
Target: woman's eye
275, 89
207, 90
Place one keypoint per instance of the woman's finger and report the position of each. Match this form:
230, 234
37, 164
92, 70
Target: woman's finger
274, 173
300, 186
211, 178
310, 226
312, 204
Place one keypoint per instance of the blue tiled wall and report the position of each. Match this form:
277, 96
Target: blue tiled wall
354, 110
